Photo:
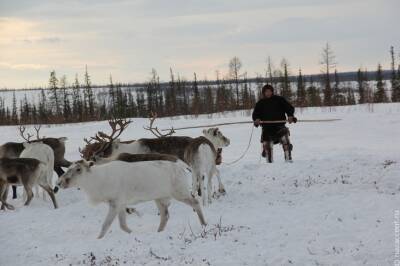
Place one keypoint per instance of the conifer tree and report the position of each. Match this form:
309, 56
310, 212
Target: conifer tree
395, 77
14, 112
313, 94
301, 91
67, 113
361, 83
77, 105
43, 112
196, 97
336, 96
351, 100
380, 94
285, 83
54, 94
89, 102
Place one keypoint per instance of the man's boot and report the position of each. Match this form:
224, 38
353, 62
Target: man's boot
268, 151
287, 148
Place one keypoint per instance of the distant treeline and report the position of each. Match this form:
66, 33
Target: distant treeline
343, 76
78, 103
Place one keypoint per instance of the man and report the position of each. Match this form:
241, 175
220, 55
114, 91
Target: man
272, 108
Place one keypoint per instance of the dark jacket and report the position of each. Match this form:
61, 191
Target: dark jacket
274, 108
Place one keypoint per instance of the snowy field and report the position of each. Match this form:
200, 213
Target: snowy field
334, 205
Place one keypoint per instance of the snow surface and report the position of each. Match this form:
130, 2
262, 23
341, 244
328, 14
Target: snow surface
334, 205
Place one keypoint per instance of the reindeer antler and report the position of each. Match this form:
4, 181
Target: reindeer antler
28, 136
154, 130
37, 129
117, 127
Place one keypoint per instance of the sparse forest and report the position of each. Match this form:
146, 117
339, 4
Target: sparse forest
64, 102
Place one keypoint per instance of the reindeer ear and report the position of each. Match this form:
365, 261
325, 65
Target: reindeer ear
90, 163
215, 131
204, 131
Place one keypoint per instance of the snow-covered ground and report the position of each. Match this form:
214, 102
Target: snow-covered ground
334, 205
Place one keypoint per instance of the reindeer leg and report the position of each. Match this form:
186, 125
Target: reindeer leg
37, 192
162, 206
29, 194
194, 203
49, 190
3, 198
203, 188
221, 188
195, 183
14, 189
209, 187
122, 221
112, 213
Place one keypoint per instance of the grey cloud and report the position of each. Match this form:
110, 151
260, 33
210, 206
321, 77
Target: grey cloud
140, 8
306, 29
43, 40
49, 40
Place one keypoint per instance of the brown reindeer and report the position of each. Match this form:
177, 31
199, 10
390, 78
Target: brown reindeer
14, 149
20, 171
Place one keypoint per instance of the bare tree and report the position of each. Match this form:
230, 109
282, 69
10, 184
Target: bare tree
270, 75
234, 72
328, 63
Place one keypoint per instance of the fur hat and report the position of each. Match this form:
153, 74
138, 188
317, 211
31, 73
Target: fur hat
267, 87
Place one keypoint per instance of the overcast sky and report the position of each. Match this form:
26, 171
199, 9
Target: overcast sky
129, 38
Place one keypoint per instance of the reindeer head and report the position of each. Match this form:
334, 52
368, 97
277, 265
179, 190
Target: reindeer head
101, 145
216, 137
74, 172
96, 150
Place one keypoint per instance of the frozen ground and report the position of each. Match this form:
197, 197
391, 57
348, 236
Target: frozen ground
333, 206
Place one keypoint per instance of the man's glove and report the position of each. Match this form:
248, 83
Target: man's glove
292, 119
257, 122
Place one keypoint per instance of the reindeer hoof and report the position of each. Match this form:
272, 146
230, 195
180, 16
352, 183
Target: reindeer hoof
130, 210
127, 230
7, 206
222, 191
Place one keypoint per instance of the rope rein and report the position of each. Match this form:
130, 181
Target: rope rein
251, 122
245, 152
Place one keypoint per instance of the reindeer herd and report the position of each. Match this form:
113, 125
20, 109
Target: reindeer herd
118, 173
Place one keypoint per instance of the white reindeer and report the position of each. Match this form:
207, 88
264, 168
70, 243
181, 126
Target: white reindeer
44, 153
121, 183
200, 153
